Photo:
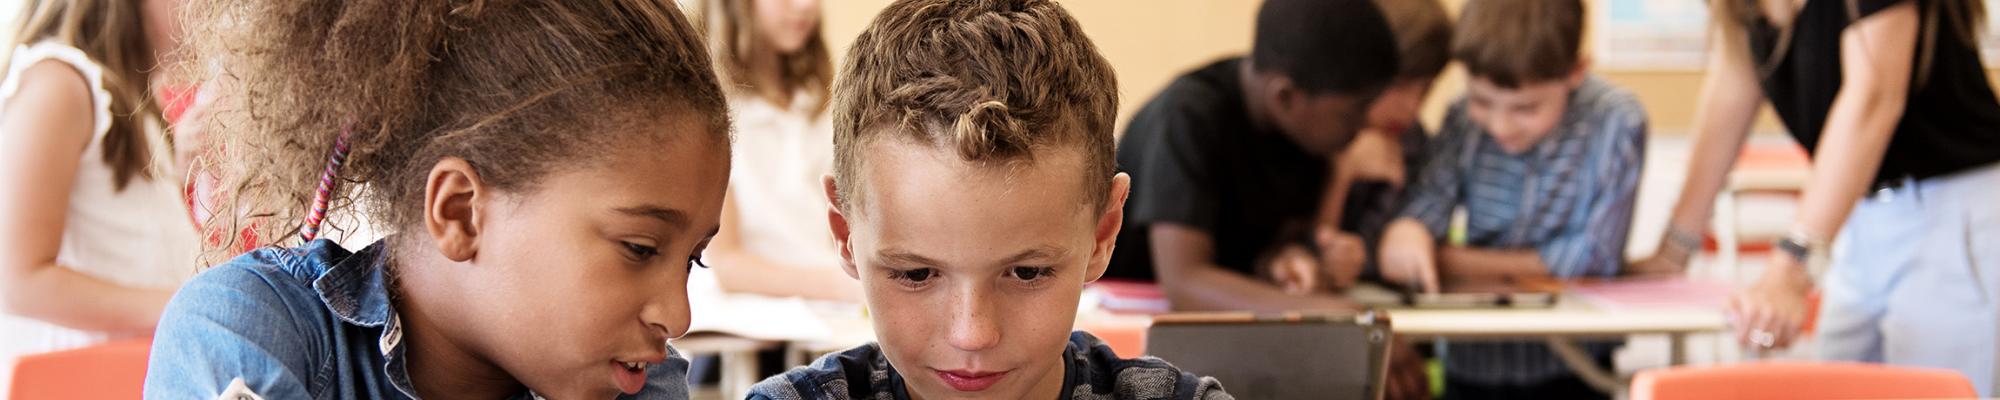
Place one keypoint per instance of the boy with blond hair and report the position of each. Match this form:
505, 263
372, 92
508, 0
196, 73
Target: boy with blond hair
973, 195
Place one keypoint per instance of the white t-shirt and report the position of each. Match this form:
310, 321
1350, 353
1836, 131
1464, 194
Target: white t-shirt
779, 156
139, 237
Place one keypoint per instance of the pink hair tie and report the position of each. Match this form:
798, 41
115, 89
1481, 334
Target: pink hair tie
327, 179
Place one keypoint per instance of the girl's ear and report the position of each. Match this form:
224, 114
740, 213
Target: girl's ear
453, 200
838, 222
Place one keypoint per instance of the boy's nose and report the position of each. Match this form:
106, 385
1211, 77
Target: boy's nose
973, 325
1504, 130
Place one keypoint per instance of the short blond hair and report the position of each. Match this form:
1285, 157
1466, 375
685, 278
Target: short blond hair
994, 80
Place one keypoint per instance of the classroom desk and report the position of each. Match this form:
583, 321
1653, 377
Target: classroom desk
739, 358
1562, 325
1571, 319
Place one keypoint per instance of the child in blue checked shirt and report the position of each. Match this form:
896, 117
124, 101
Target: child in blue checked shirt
1544, 158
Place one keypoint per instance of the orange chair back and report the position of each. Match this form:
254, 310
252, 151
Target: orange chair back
1801, 380
114, 370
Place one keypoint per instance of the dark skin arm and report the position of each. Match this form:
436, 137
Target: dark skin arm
1183, 259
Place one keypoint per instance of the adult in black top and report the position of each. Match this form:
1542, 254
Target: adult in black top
1951, 122
1891, 100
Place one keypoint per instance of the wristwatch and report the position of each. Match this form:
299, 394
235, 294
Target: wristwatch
1811, 253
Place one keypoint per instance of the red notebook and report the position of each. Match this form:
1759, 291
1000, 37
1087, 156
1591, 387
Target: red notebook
1131, 296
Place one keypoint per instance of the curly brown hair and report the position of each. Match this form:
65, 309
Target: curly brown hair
994, 80
518, 89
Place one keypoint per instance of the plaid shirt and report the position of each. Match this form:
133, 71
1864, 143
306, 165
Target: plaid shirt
1093, 372
1569, 198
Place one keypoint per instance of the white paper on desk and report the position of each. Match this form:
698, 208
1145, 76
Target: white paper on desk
750, 316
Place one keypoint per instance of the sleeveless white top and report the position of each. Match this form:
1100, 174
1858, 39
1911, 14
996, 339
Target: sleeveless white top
140, 236
779, 156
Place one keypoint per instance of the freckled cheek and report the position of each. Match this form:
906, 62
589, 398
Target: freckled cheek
1038, 327
908, 321
1052, 309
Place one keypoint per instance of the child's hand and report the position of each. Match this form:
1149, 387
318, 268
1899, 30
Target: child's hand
1409, 255
1374, 156
1342, 255
1295, 270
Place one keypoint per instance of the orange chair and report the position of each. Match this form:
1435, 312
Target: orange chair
1126, 338
114, 370
1800, 380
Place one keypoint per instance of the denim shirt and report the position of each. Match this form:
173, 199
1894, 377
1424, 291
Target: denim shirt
312, 322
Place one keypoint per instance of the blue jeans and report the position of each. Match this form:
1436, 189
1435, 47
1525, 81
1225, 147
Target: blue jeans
1914, 276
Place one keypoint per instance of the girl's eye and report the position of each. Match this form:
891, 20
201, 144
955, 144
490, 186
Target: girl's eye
1031, 273
695, 260
914, 276
640, 252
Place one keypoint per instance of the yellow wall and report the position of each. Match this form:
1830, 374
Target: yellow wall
1151, 41
1148, 41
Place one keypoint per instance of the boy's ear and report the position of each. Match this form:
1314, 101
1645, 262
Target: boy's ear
454, 198
1108, 225
1285, 96
838, 222
1581, 72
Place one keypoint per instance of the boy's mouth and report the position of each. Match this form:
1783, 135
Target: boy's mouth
969, 381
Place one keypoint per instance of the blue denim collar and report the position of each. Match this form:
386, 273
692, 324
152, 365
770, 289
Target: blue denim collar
355, 287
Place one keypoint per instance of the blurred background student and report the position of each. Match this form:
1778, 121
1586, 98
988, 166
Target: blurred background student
93, 236
776, 71
774, 242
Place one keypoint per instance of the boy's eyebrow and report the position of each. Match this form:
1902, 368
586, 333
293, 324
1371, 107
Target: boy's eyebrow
1043, 252
906, 257
899, 256
675, 218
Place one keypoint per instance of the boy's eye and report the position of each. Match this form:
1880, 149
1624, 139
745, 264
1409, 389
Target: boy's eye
918, 275
1031, 273
640, 252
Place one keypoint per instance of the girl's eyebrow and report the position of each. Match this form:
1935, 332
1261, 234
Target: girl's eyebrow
673, 217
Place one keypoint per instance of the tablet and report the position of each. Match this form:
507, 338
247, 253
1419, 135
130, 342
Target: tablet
1520, 293
1284, 356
